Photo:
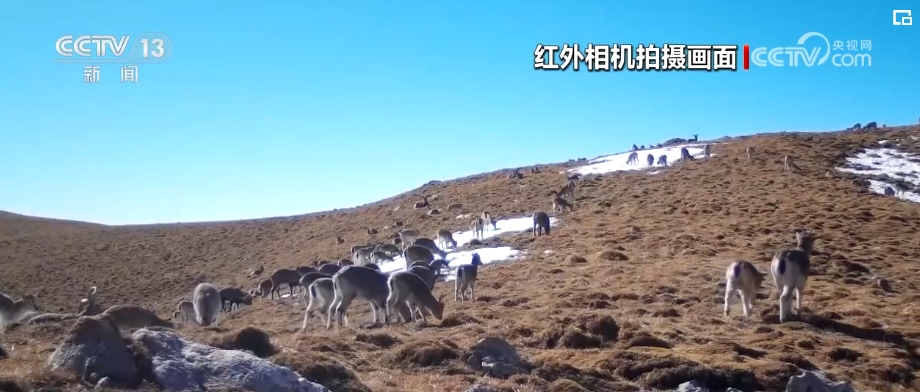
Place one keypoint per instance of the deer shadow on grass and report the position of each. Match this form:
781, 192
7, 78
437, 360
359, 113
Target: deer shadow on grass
826, 324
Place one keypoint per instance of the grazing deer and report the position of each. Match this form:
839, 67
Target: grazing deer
871, 125
407, 236
515, 174
568, 190
633, 158
446, 239
561, 205
663, 160
651, 160
685, 155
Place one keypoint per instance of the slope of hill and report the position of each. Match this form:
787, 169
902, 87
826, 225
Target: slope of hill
625, 294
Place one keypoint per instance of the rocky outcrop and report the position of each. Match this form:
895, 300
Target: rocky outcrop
181, 365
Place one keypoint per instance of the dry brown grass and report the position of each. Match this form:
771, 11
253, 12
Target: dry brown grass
630, 296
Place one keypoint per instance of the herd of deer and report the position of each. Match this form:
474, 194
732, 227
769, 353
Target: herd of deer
330, 287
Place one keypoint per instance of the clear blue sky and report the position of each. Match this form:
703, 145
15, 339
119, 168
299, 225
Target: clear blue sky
261, 106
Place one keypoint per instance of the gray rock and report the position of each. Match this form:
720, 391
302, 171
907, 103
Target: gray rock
95, 340
181, 365
481, 388
500, 369
496, 357
693, 386
810, 381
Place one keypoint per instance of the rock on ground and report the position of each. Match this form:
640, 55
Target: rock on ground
810, 381
95, 340
181, 365
496, 357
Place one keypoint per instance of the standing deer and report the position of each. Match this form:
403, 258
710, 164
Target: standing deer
633, 158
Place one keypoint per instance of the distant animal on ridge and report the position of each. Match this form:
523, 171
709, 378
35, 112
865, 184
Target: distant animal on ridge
871, 125
633, 158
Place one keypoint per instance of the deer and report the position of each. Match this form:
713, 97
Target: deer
561, 205
790, 268
789, 165
540, 223
742, 277
633, 158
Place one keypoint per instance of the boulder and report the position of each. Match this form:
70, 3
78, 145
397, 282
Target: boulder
95, 340
810, 381
181, 365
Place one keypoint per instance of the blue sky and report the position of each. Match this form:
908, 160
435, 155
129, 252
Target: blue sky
259, 107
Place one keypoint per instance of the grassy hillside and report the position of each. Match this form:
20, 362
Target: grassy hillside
626, 293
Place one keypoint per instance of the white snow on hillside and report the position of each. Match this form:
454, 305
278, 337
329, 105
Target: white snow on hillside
486, 255
888, 161
617, 162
